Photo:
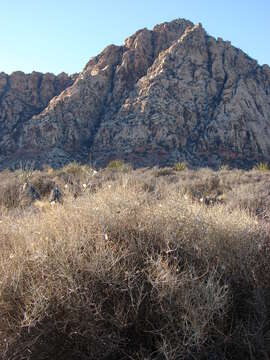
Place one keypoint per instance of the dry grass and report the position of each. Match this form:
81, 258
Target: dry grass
136, 267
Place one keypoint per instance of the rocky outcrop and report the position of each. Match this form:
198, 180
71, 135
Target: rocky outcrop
21, 97
170, 94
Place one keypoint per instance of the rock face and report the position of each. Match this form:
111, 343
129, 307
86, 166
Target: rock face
21, 97
170, 94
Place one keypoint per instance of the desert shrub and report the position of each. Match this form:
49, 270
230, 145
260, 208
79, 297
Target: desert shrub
180, 166
13, 186
262, 167
17, 188
25, 172
43, 184
224, 167
72, 168
116, 164
123, 273
164, 172
119, 165
72, 172
76, 178
10, 194
254, 197
202, 183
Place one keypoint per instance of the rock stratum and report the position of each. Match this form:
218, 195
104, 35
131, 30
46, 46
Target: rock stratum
167, 95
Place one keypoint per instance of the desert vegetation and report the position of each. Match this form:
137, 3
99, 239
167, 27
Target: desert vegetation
139, 264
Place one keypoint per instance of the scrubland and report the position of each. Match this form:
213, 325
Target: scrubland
139, 264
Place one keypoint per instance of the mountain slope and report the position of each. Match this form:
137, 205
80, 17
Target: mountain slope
21, 97
170, 94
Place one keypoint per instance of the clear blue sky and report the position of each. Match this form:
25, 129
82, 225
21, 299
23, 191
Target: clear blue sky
61, 35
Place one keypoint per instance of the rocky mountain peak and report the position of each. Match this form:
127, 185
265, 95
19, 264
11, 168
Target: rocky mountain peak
176, 26
169, 94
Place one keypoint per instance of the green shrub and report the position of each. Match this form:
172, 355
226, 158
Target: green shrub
119, 164
74, 168
26, 172
180, 166
262, 167
75, 173
116, 164
224, 167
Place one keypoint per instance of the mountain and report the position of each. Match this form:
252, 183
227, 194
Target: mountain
167, 95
